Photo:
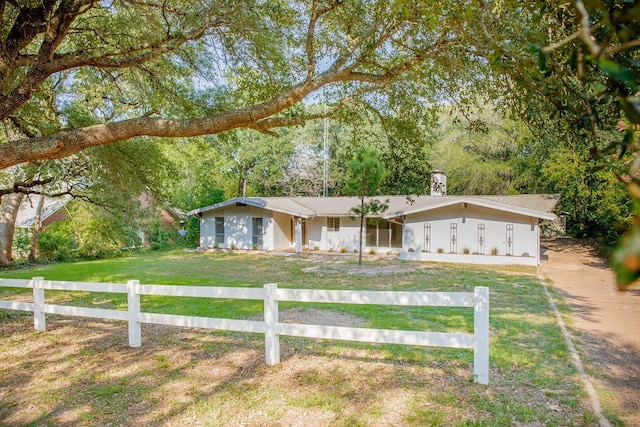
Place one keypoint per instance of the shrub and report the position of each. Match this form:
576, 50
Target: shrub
494, 251
466, 251
158, 237
56, 243
316, 248
343, 250
440, 250
372, 251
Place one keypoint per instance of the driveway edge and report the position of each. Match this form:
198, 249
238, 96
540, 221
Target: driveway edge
575, 359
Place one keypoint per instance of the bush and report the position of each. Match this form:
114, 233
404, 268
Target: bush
192, 239
21, 244
159, 237
56, 242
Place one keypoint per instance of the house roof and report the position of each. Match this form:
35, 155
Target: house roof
26, 217
534, 205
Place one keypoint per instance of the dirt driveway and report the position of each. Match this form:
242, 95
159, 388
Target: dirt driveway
606, 320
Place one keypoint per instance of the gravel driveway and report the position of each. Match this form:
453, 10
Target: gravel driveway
606, 320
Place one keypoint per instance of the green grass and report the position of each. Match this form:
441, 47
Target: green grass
530, 368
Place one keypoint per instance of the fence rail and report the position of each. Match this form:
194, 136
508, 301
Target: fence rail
270, 326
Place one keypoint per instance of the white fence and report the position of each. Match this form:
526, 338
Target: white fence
271, 327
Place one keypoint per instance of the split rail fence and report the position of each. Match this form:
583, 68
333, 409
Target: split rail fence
270, 326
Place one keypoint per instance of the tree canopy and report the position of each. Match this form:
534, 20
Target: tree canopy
84, 73
77, 76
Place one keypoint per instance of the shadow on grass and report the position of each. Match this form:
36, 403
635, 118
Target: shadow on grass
82, 372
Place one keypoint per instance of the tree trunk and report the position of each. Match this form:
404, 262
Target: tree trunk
8, 215
361, 227
33, 254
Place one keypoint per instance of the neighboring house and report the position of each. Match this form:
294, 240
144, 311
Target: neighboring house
168, 217
53, 210
465, 229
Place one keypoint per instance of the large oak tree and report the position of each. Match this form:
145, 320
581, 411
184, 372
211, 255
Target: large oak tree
253, 59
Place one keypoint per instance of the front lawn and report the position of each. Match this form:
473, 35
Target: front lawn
81, 371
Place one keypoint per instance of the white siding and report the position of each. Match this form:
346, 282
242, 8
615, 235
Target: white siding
346, 238
207, 230
524, 242
317, 232
281, 225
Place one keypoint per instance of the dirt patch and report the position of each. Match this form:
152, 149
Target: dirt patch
314, 316
605, 320
81, 372
364, 270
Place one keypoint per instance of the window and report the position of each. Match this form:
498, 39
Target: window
257, 231
384, 234
219, 230
371, 233
333, 224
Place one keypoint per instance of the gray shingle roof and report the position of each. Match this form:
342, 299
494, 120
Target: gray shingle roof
536, 205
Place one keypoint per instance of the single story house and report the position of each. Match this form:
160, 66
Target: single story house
465, 229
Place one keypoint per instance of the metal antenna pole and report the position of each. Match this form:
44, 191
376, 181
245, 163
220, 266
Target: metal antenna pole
325, 154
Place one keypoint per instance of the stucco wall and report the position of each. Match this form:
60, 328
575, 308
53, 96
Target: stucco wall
238, 227
346, 238
207, 229
467, 219
281, 224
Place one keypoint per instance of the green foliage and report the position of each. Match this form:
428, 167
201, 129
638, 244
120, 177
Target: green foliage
406, 156
365, 174
192, 238
159, 236
100, 234
56, 242
626, 259
366, 171
21, 243
482, 151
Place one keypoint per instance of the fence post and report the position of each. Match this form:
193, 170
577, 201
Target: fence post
133, 304
39, 321
481, 335
271, 338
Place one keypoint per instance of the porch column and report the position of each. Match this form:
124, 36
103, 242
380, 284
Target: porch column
298, 231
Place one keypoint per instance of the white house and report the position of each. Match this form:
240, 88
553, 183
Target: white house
465, 229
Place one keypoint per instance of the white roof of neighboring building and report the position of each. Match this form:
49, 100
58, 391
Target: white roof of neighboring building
534, 205
27, 213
